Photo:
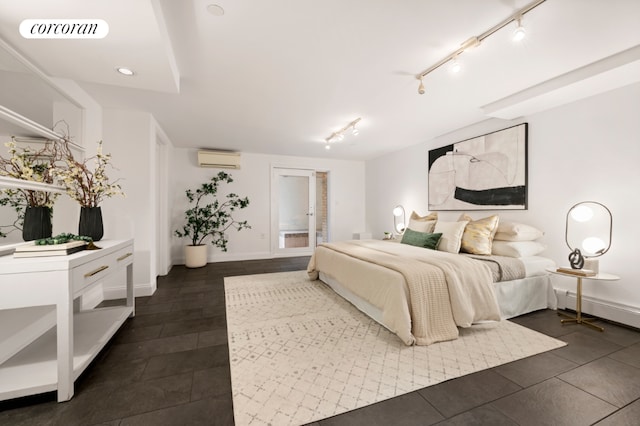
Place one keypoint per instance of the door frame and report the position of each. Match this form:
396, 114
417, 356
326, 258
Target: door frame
276, 251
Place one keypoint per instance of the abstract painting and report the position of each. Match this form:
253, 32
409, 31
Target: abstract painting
488, 172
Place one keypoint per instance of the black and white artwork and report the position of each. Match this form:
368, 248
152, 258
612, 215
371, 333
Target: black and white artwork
488, 172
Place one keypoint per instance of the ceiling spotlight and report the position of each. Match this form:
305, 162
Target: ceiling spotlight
421, 87
327, 146
455, 65
519, 33
125, 71
354, 131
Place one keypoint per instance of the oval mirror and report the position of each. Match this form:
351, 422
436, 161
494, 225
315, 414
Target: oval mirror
588, 228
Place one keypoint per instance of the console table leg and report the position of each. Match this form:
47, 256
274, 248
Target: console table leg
130, 296
64, 331
579, 301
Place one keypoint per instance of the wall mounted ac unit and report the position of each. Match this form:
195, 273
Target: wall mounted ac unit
219, 159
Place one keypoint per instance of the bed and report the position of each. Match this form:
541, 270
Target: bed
424, 295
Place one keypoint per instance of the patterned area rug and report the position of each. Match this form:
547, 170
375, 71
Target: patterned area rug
300, 353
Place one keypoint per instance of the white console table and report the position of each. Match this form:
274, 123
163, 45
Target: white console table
44, 344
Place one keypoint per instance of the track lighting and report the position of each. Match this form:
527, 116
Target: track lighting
455, 65
519, 32
338, 135
518, 35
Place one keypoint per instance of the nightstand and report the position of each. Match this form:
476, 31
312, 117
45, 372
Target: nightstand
578, 319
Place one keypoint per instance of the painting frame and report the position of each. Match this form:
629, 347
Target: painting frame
486, 172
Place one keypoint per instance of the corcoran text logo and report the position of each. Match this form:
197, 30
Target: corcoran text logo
64, 28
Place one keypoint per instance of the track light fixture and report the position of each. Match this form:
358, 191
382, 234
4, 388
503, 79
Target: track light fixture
518, 34
338, 135
421, 87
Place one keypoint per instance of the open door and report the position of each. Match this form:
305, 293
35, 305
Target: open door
293, 223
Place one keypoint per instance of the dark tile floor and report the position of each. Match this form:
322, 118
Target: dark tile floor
169, 366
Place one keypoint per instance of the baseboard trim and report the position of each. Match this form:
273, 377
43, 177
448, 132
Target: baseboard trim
613, 311
231, 257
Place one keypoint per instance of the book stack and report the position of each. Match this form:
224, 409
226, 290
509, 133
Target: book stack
33, 250
577, 272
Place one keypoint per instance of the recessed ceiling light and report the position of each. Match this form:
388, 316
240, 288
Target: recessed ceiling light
215, 10
125, 71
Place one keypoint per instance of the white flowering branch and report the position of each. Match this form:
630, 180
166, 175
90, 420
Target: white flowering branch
87, 186
32, 165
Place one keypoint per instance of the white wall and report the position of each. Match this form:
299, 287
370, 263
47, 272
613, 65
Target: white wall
346, 199
587, 150
129, 137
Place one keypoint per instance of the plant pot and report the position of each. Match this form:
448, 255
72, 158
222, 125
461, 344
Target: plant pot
91, 223
195, 256
37, 223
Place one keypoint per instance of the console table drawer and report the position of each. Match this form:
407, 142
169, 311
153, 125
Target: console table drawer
124, 257
91, 272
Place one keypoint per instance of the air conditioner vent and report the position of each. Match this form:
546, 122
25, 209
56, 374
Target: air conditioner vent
219, 159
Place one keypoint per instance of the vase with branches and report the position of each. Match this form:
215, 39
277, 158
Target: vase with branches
211, 216
33, 208
87, 182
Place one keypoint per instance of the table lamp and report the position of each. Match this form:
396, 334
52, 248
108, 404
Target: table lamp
399, 225
588, 233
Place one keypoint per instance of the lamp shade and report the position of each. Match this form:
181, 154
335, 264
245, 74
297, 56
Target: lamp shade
589, 228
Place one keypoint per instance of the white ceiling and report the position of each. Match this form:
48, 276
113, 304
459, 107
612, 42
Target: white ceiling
279, 76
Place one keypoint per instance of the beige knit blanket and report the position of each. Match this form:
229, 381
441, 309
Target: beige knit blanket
423, 294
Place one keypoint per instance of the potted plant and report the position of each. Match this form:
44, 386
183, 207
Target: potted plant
89, 185
209, 217
33, 208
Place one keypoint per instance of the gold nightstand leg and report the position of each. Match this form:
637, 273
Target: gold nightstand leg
578, 318
592, 325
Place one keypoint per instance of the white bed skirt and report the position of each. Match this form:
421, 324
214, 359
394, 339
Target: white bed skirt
515, 297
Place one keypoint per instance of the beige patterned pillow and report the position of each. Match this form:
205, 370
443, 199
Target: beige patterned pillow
431, 216
422, 225
478, 234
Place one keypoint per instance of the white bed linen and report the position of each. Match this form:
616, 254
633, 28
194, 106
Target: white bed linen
424, 294
536, 265
515, 298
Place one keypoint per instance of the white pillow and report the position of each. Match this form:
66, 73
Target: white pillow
422, 225
451, 235
512, 231
517, 248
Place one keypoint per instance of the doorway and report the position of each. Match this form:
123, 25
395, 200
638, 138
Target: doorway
298, 212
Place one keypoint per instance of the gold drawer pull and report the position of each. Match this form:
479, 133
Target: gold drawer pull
124, 256
92, 273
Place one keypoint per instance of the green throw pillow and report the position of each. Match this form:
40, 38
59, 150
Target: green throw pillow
421, 239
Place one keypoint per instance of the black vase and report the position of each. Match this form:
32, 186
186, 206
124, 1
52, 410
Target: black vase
91, 223
37, 223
